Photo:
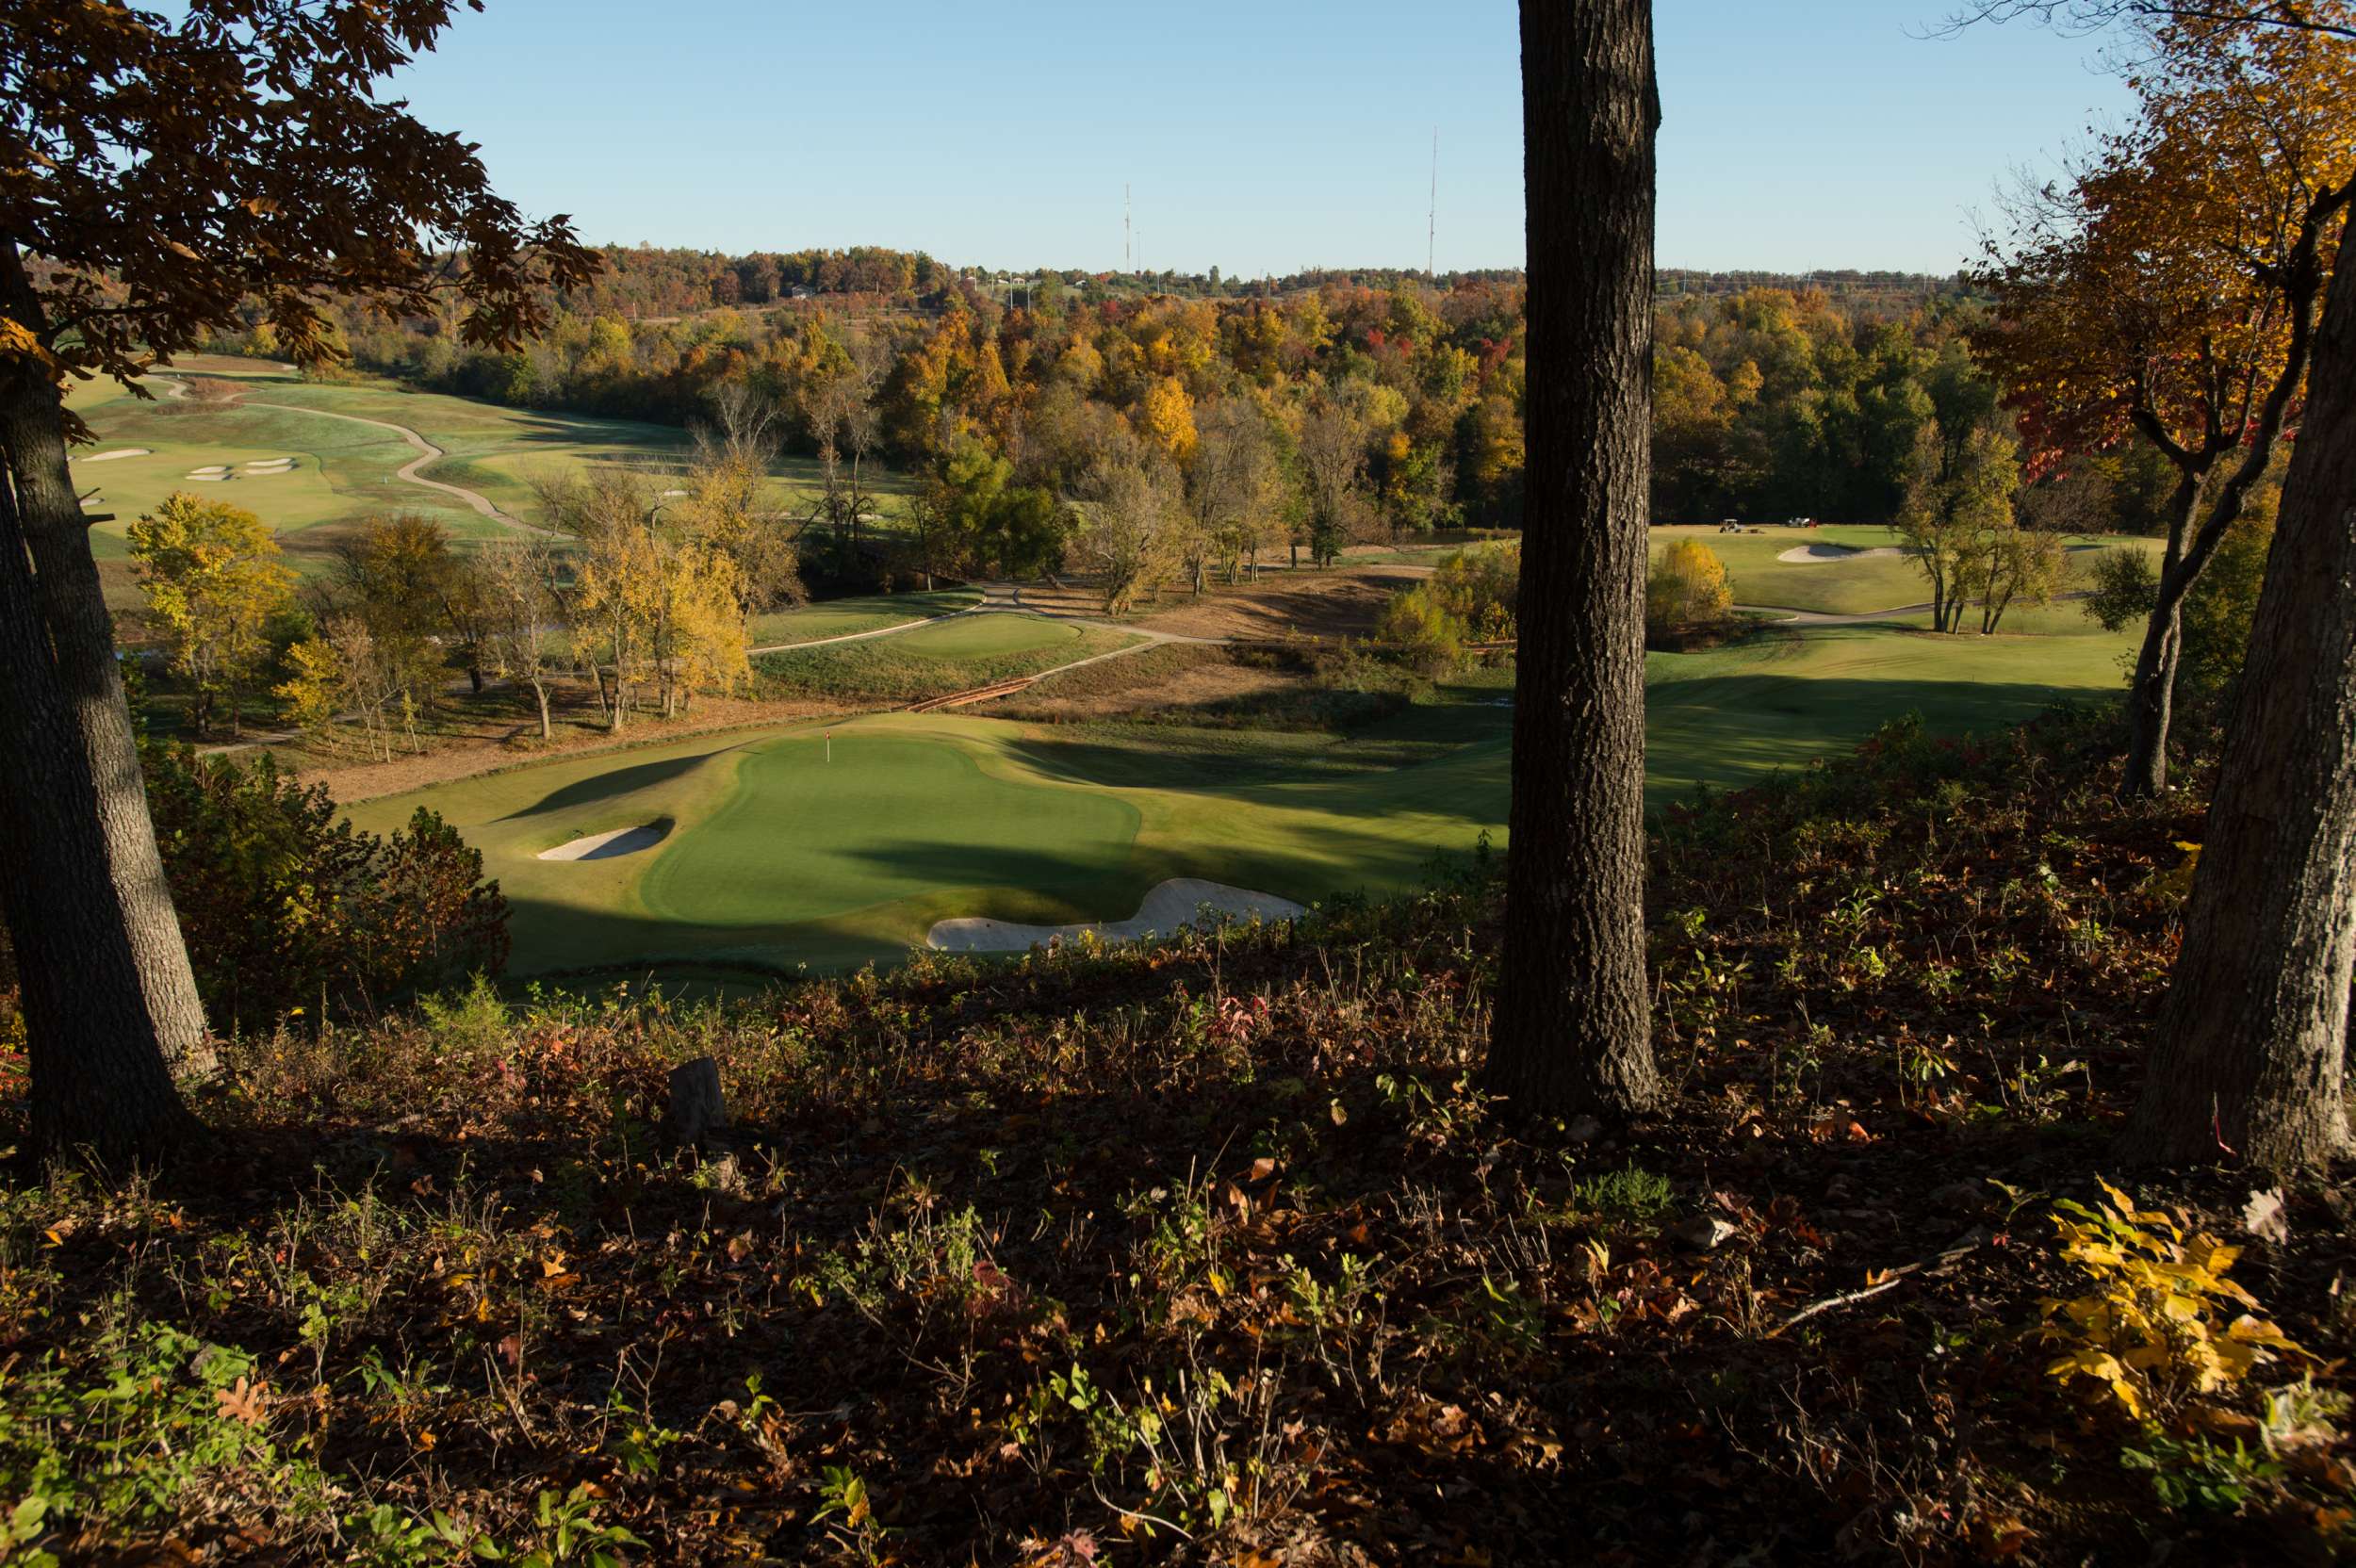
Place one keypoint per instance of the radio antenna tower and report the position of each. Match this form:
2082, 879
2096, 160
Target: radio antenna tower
1431, 217
1127, 259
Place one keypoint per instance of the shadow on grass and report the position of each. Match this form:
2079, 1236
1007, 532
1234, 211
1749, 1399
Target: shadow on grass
605, 786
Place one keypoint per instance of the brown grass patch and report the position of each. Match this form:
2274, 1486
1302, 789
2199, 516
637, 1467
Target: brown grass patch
1339, 603
1174, 676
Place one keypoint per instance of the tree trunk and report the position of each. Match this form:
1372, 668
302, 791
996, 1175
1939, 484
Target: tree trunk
2150, 701
47, 517
2152, 697
540, 689
97, 1071
2252, 1045
1573, 1028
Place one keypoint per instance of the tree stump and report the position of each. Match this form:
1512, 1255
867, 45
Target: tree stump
697, 1107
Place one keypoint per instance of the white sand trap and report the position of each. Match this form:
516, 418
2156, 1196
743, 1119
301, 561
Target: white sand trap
1172, 903
606, 846
109, 457
258, 464
211, 470
1834, 552
668, 493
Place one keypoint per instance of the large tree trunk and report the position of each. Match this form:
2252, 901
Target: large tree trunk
2252, 1038
1573, 1029
99, 1081
72, 606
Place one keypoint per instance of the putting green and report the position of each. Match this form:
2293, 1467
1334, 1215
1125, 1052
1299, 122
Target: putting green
821, 826
986, 637
849, 617
776, 856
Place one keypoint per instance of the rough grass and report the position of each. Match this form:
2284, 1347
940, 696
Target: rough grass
1302, 688
1213, 1253
953, 656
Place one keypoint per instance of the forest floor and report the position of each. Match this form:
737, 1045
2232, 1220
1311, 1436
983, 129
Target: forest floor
1215, 1253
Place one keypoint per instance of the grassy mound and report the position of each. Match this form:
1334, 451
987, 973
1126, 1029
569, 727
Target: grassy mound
849, 617
1216, 1254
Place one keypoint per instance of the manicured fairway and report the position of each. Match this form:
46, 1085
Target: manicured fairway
775, 856
347, 471
819, 828
1726, 716
848, 618
1856, 586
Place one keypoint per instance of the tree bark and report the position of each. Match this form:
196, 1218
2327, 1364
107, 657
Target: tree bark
99, 1081
2251, 1052
2152, 698
47, 517
1573, 1028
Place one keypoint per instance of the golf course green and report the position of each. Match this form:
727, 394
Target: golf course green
827, 844
1829, 580
344, 469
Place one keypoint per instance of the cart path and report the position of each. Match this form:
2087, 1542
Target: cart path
408, 472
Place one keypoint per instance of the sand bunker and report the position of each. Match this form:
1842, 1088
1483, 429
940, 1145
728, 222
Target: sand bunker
1834, 552
607, 846
109, 457
211, 470
269, 465
1172, 903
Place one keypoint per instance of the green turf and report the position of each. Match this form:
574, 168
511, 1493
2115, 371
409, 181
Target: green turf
1856, 586
951, 655
778, 856
345, 471
988, 637
850, 616
820, 827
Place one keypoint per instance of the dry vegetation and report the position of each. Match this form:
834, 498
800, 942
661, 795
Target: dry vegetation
1215, 1254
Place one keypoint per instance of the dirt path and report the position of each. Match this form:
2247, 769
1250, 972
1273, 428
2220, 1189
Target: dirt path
408, 472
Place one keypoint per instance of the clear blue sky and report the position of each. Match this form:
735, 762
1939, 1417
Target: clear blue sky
1261, 137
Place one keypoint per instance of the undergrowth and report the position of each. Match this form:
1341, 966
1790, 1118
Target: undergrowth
1215, 1253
